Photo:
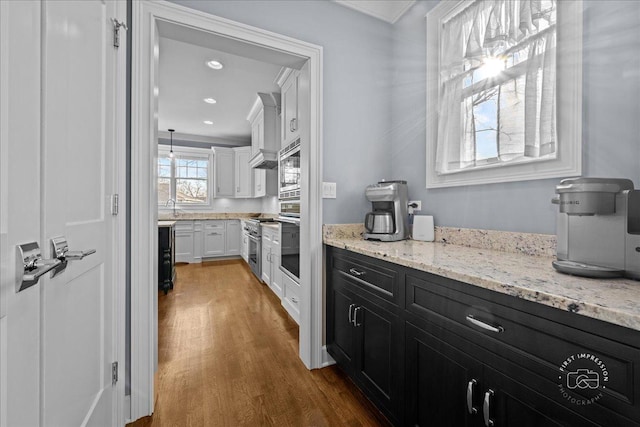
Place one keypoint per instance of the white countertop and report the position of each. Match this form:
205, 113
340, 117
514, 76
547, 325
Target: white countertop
529, 277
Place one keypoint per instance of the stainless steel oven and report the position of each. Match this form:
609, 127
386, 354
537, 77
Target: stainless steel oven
290, 246
289, 171
254, 254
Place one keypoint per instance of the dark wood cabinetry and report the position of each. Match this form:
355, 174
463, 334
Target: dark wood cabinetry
454, 354
166, 257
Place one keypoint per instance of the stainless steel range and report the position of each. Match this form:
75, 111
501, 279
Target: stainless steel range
252, 227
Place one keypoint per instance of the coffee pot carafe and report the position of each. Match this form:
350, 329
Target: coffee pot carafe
388, 220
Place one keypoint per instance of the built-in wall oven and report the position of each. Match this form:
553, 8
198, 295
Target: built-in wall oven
289, 172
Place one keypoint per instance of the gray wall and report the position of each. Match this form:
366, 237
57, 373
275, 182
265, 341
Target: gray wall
374, 110
356, 93
611, 123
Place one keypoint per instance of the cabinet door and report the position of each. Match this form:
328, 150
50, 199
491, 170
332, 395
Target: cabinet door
378, 355
243, 173
259, 182
340, 331
224, 173
290, 123
439, 378
276, 274
265, 260
232, 246
184, 246
245, 247
214, 239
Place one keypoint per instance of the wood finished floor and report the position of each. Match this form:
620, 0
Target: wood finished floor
228, 356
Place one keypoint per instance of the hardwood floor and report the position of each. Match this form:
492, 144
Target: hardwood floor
228, 357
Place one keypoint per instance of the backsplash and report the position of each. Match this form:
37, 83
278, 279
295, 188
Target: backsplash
505, 241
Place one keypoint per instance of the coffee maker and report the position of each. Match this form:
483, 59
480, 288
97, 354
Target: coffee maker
388, 222
598, 228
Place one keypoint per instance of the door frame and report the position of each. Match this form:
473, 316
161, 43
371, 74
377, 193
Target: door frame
146, 15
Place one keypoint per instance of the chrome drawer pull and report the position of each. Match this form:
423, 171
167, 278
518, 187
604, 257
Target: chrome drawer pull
356, 272
486, 409
470, 407
483, 325
355, 317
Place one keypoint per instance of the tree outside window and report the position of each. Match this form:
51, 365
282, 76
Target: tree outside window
185, 179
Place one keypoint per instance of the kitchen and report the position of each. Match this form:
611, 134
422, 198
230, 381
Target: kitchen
370, 122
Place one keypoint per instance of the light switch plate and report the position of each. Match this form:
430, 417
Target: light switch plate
328, 190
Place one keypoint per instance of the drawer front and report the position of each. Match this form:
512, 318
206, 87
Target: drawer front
214, 225
378, 277
184, 226
552, 351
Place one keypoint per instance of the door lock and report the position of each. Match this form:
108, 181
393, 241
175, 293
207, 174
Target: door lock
30, 265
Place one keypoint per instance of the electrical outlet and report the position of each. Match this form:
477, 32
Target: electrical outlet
417, 208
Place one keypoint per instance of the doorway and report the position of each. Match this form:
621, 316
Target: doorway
149, 20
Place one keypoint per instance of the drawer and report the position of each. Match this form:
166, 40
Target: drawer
537, 338
381, 278
184, 226
214, 225
291, 297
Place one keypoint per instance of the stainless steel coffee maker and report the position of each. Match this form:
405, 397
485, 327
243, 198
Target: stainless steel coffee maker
598, 228
388, 221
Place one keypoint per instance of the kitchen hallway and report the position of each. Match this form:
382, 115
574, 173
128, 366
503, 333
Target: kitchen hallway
228, 356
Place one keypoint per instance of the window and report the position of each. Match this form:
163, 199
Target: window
494, 100
185, 178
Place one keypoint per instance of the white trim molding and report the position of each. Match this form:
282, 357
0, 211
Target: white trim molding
146, 16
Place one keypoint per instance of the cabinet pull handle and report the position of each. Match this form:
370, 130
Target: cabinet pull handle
483, 325
355, 317
486, 408
356, 273
294, 299
351, 313
470, 407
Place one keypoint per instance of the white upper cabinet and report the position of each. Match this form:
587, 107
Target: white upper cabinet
243, 173
224, 172
265, 142
290, 118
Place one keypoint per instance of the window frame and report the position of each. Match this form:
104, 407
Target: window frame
163, 151
568, 161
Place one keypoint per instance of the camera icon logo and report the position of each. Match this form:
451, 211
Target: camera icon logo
583, 379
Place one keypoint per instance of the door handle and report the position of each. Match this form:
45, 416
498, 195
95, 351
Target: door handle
31, 266
351, 313
60, 248
470, 407
355, 317
486, 408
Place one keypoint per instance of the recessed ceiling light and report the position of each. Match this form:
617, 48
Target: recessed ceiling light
216, 65
208, 122
210, 100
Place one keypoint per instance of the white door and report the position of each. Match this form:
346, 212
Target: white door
60, 105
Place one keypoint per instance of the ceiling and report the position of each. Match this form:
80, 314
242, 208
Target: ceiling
185, 80
386, 10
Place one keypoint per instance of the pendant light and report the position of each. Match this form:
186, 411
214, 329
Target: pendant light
171, 131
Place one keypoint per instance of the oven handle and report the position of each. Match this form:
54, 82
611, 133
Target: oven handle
289, 220
254, 238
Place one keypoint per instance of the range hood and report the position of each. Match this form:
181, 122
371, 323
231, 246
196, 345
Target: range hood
269, 105
264, 159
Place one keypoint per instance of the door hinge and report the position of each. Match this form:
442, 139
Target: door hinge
115, 204
114, 373
116, 31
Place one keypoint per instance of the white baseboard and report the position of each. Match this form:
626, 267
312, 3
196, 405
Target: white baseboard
327, 360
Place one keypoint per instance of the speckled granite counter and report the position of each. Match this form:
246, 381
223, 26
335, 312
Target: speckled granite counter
186, 216
529, 277
166, 223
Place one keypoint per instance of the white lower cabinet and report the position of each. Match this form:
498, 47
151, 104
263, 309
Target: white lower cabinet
270, 259
291, 297
214, 238
184, 241
201, 239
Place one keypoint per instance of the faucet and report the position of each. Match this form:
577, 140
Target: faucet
174, 205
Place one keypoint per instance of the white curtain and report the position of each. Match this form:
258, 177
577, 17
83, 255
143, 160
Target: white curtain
521, 36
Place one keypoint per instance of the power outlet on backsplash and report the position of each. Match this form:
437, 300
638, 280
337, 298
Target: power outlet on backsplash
417, 208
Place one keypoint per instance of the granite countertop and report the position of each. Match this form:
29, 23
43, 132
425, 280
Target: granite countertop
274, 225
190, 216
524, 276
166, 223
